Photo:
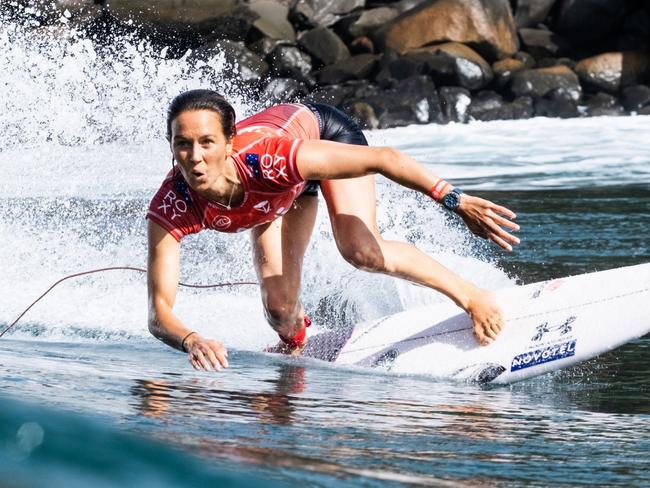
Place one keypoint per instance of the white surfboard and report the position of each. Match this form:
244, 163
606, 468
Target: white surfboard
549, 325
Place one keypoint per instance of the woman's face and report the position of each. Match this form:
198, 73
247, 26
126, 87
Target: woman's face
200, 147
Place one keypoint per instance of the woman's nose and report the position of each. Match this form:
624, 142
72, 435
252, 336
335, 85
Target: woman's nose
196, 153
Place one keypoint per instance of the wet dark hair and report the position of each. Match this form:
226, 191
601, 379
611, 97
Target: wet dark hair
202, 100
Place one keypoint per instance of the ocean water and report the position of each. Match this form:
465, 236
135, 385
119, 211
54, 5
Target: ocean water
89, 398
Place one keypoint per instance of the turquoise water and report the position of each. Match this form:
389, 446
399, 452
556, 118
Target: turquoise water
88, 398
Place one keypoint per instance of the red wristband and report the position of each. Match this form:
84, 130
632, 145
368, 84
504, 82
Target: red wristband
299, 339
438, 188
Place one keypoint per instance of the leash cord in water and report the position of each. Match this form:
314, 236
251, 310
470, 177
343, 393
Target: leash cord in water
123, 268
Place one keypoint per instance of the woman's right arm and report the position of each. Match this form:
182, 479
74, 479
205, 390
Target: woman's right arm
163, 271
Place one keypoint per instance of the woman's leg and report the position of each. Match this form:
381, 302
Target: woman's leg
278, 250
352, 208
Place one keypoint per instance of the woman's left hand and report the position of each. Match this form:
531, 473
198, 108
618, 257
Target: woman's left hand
486, 219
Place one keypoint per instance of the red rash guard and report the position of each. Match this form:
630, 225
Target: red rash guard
264, 153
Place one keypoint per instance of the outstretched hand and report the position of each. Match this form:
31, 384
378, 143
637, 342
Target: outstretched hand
207, 354
486, 219
486, 315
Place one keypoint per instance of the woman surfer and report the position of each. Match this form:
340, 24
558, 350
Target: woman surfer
262, 174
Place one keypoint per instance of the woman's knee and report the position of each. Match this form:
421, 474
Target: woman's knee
363, 254
280, 308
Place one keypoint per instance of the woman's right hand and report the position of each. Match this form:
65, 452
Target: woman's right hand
206, 354
486, 315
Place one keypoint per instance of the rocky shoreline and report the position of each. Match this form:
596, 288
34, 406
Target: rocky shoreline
394, 63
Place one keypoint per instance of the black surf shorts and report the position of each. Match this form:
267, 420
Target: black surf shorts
335, 125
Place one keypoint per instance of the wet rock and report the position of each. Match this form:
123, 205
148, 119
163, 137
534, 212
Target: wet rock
584, 21
470, 70
485, 106
284, 90
420, 62
550, 62
538, 82
520, 108
191, 13
363, 114
362, 45
556, 103
612, 71
527, 59
489, 105
529, 13
636, 98
504, 69
487, 26
542, 43
326, 12
335, 95
324, 45
370, 20
265, 46
415, 101
290, 62
455, 103
603, 104
272, 21
244, 64
354, 68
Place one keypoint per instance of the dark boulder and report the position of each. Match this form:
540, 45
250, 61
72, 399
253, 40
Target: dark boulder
335, 95
487, 26
538, 82
370, 20
556, 103
636, 98
489, 105
611, 72
455, 102
244, 64
550, 62
527, 59
194, 22
469, 69
272, 20
414, 101
324, 12
520, 108
284, 90
504, 69
542, 43
485, 106
603, 104
289, 61
362, 45
529, 13
354, 68
265, 46
585, 21
324, 45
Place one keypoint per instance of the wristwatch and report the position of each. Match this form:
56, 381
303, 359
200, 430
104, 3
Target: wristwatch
452, 199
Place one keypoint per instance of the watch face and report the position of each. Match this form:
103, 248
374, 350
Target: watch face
452, 200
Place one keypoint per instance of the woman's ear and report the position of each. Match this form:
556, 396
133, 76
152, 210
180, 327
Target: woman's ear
229, 147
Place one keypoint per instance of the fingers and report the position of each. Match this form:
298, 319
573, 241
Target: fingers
500, 236
487, 332
208, 355
505, 222
504, 211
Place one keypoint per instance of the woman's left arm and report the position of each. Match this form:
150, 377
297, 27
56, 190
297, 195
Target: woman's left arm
324, 160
